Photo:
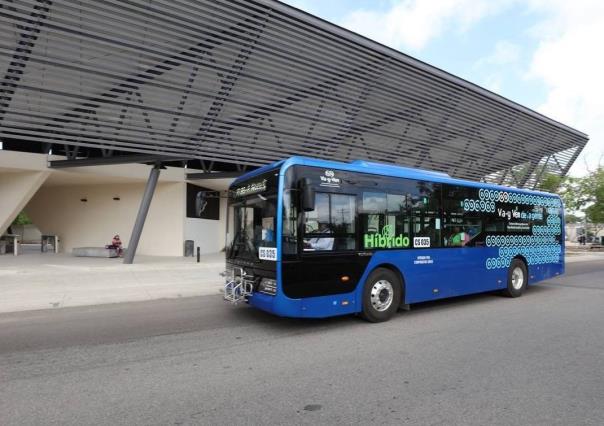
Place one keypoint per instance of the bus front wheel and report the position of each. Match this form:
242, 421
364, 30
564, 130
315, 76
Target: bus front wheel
517, 279
381, 295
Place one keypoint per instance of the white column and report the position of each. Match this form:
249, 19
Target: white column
16, 189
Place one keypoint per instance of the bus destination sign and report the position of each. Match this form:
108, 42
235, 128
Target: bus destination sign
251, 188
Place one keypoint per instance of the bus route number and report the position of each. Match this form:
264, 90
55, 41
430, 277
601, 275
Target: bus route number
420, 242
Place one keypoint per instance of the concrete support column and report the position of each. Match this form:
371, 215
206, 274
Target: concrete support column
16, 189
142, 214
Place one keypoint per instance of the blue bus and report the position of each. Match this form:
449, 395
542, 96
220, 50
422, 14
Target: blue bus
315, 238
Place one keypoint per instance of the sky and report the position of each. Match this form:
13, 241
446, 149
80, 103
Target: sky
544, 54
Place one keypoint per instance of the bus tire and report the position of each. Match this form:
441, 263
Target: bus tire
381, 295
517, 279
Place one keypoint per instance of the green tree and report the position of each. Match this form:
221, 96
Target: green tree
570, 192
595, 211
585, 195
572, 218
22, 219
551, 183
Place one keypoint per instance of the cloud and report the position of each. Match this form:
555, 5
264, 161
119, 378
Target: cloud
504, 60
567, 58
505, 53
493, 82
412, 24
569, 61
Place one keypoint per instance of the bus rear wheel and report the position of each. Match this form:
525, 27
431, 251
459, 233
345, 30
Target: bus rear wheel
381, 295
517, 279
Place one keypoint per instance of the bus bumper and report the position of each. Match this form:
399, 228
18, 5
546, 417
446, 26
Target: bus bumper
311, 307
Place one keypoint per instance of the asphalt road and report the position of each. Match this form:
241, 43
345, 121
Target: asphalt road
477, 360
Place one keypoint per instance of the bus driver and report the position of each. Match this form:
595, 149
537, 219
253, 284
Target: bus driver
320, 243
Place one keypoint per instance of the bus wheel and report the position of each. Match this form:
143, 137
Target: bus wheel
381, 295
517, 279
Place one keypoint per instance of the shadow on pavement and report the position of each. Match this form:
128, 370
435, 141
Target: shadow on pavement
248, 314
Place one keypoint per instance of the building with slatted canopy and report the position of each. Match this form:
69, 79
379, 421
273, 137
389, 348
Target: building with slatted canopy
221, 86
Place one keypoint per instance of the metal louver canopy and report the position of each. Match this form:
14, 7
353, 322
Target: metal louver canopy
253, 81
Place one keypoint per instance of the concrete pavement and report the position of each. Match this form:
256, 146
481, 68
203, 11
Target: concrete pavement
48, 281
475, 360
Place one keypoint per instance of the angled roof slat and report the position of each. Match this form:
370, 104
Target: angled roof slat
250, 82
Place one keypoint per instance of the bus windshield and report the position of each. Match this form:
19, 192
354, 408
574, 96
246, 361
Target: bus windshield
252, 220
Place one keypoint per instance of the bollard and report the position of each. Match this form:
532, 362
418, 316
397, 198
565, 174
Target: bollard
198, 254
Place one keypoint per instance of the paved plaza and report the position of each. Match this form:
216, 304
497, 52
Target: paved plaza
476, 360
61, 280
41, 281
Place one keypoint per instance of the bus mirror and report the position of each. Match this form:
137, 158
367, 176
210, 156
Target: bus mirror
307, 195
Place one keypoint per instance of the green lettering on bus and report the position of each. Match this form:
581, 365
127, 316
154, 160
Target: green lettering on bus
385, 239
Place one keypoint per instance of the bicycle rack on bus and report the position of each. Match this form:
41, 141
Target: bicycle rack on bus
239, 288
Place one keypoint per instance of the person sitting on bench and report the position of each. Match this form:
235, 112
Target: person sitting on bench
116, 244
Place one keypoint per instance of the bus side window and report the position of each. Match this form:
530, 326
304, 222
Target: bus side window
412, 212
426, 206
460, 228
371, 212
331, 226
383, 214
372, 223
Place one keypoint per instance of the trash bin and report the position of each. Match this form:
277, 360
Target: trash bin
189, 248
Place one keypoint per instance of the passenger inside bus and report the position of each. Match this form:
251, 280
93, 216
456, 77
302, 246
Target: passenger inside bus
431, 230
458, 238
320, 243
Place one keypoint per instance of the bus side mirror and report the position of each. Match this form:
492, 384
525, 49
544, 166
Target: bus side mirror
307, 195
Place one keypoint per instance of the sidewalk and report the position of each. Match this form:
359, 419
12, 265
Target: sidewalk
583, 256
42, 281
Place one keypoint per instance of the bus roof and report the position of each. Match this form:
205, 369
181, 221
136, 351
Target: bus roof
383, 169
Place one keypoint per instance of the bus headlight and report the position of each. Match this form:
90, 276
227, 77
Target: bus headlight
268, 286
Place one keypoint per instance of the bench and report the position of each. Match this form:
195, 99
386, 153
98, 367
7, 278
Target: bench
94, 252
10, 242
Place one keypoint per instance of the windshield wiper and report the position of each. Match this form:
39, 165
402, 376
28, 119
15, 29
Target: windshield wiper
234, 244
241, 239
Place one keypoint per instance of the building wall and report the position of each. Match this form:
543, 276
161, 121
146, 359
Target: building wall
56, 207
208, 235
59, 210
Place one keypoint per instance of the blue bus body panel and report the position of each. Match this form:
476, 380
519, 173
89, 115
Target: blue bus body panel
447, 276
310, 307
434, 274
429, 274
